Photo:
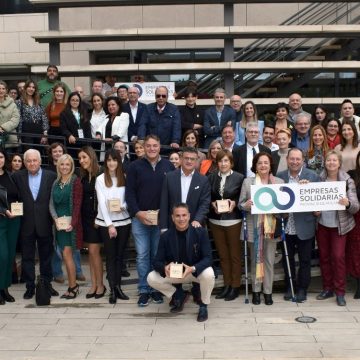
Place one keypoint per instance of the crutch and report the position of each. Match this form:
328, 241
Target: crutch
246, 259
283, 238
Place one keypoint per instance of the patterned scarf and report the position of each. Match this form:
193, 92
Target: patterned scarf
264, 228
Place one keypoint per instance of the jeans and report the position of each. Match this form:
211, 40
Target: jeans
146, 239
56, 262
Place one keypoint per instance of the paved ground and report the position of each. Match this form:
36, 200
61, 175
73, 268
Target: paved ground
94, 329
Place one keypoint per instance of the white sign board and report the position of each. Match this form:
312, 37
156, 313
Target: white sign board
294, 197
147, 89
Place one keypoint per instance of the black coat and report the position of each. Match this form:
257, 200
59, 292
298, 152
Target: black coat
232, 191
198, 250
36, 216
69, 125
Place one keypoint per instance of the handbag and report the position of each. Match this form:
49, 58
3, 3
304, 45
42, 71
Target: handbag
42, 294
3, 201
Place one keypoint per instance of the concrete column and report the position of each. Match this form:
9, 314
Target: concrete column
229, 48
54, 24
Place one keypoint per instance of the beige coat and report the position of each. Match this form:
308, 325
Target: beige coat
9, 120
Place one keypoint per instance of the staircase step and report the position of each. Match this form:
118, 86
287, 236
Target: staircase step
282, 79
315, 58
263, 90
331, 47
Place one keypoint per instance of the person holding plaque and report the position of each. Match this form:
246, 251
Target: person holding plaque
65, 209
263, 230
183, 256
113, 220
333, 227
225, 222
9, 227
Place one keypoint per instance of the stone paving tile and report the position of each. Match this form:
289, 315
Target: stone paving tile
46, 355
156, 355
252, 354
254, 339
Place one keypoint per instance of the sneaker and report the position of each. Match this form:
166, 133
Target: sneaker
340, 300
144, 300
202, 314
325, 294
157, 297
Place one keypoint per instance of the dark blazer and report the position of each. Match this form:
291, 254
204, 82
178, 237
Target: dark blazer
137, 127
305, 222
240, 157
232, 191
198, 250
212, 129
36, 216
69, 125
198, 198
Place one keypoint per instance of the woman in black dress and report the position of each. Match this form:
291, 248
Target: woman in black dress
89, 170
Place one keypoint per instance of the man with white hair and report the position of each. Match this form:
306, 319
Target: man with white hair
243, 156
295, 106
34, 185
300, 137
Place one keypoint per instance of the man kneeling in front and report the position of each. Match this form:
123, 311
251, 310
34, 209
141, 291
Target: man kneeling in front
183, 256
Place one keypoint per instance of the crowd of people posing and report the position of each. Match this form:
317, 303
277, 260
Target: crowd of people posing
177, 194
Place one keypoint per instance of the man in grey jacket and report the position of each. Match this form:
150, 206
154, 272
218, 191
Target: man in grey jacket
299, 229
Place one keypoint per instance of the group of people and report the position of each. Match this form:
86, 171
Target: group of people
168, 202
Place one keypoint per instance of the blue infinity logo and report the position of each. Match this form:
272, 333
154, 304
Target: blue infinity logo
274, 201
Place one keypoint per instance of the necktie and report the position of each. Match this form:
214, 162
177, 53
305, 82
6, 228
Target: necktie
254, 151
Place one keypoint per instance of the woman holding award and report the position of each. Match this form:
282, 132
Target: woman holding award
225, 222
9, 229
113, 219
65, 209
263, 230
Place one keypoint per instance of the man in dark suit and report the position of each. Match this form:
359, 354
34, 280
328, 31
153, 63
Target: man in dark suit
228, 138
216, 117
300, 229
189, 246
138, 115
188, 186
34, 185
244, 155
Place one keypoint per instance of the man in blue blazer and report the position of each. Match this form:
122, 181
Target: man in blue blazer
138, 115
299, 228
189, 246
216, 117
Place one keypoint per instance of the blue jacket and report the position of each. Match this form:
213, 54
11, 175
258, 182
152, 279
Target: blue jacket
212, 129
167, 125
198, 250
144, 184
137, 128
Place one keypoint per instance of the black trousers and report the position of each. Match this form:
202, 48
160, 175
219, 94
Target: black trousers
303, 248
114, 252
45, 250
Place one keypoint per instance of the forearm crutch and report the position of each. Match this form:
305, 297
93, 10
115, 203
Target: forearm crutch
283, 238
246, 259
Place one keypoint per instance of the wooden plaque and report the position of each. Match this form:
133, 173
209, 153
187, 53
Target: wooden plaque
17, 209
222, 206
152, 216
176, 271
114, 205
63, 222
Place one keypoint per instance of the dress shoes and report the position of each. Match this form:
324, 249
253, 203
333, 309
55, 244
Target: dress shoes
120, 294
340, 300
233, 294
2, 300
112, 297
357, 292
6, 296
99, 296
268, 299
256, 298
52, 291
301, 296
225, 290
288, 295
125, 273
325, 294
90, 295
202, 314
178, 303
29, 294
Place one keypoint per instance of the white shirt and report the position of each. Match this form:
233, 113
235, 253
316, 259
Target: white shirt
134, 110
96, 121
249, 158
185, 185
274, 147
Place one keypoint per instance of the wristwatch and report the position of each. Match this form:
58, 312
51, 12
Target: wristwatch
193, 269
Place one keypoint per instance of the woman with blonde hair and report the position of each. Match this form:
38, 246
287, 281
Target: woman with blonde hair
318, 147
209, 165
65, 209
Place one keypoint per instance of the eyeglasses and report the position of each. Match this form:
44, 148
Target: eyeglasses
161, 96
189, 159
